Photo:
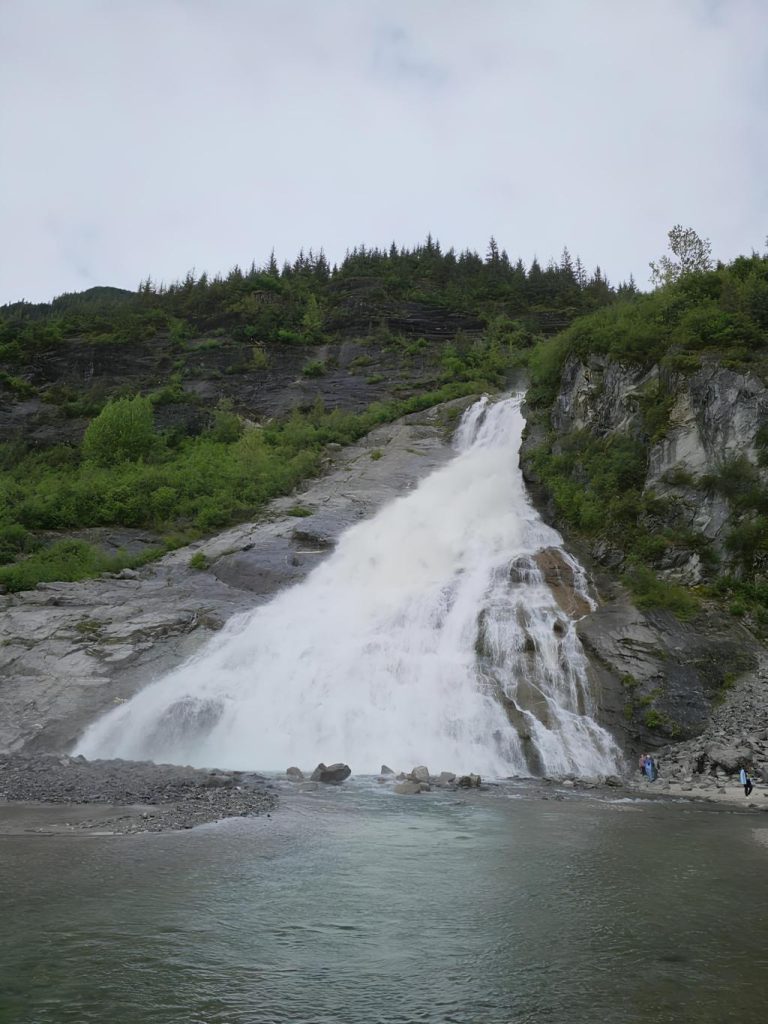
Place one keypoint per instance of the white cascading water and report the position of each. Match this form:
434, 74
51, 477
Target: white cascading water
427, 637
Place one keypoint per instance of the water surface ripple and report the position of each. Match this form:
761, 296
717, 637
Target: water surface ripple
359, 907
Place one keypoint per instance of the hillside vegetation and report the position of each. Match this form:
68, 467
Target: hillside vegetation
177, 411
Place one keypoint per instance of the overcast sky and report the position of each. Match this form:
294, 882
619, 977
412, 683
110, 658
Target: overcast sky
148, 137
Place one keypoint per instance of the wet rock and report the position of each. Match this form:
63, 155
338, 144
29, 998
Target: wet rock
613, 780
386, 771
445, 779
332, 774
468, 781
407, 788
295, 774
419, 774
567, 585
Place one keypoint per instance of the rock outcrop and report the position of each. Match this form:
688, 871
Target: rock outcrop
657, 678
708, 420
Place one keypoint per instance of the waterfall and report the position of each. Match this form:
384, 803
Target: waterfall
429, 636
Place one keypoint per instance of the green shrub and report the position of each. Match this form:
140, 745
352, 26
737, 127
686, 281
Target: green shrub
198, 561
20, 387
649, 592
259, 358
172, 393
314, 368
227, 425
654, 719
67, 560
14, 541
124, 430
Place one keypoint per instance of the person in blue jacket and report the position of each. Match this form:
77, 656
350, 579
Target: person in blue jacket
746, 782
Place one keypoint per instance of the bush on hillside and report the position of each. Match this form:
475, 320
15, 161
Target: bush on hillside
123, 431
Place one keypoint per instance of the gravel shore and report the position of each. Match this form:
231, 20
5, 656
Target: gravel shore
71, 794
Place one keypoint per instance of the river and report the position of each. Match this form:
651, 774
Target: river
355, 906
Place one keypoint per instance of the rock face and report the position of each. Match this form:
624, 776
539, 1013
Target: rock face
70, 651
657, 678
356, 372
736, 736
332, 774
715, 417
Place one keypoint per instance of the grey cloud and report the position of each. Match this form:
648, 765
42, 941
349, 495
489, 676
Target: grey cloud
149, 137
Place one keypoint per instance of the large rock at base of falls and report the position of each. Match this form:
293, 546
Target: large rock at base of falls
332, 774
419, 774
469, 781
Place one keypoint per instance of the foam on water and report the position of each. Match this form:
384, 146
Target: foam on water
412, 643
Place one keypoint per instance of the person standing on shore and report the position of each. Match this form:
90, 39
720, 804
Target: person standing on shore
746, 782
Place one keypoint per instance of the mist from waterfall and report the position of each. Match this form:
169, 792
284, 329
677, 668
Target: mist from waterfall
427, 637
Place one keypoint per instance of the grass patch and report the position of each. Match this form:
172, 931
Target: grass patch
650, 592
67, 561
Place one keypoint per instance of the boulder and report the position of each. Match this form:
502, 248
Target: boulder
468, 781
408, 788
295, 774
445, 779
386, 770
730, 758
332, 774
419, 774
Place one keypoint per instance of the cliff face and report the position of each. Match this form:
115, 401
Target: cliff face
711, 420
661, 678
